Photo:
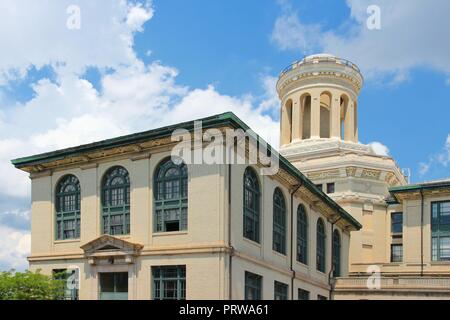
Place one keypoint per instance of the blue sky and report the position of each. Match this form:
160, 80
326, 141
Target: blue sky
136, 65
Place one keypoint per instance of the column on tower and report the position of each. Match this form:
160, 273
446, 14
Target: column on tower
349, 122
335, 115
315, 114
286, 122
296, 117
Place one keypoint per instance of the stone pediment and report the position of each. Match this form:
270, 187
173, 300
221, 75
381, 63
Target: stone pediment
108, 246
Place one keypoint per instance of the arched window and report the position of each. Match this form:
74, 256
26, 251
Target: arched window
171, 196
251, 205
320, 250
68, 203
336, 254
302, 235
279, 222
116, 201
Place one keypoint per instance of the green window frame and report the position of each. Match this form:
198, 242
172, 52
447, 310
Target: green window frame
253, 286
169, 282
279, 222
67, 205
116, 201
171, 196
440, 231
303, 294
280, 291
69, 278
397, 222
302, 235
336, 254
252, 205
320, 245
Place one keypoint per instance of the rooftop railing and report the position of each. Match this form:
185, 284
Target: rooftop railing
317, 59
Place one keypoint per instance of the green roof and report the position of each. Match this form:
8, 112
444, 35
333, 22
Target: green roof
227, 118
438, 184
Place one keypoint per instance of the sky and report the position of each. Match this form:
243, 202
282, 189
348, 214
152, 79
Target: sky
77, 71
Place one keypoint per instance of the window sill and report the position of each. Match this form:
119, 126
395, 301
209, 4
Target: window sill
252, 242
66, 241
301, 264
279, 254
437, 263
169, 233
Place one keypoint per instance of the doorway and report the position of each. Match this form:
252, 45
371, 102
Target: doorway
113, 285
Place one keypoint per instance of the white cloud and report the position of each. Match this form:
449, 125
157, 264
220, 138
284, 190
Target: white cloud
412, 35
290, 33
438, 160
70, 111
379, 148
36, 34
14, 248
137, 16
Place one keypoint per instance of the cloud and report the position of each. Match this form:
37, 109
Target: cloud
411, 35
16, 219
290, 33
68, 110
36, 34
14, 248
379, 148
438, 160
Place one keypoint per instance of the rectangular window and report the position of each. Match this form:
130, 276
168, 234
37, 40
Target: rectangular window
330, 187
280, 291
253, 286
397, 222
320, 186
169, 282
113, 286
303, 294
320, 297
397, 253
440, 231
70, 280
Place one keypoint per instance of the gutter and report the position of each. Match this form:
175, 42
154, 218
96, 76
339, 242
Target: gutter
330, 274
421, 232
292, 239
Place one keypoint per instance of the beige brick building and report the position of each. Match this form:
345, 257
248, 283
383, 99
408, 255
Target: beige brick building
126, 222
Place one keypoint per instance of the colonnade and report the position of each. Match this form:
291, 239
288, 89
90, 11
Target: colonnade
314, 114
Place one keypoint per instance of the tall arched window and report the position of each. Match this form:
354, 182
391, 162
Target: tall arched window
171, 196
251, 205
116, 201
320, 249
68, 203
336, 254
279, 222
302, 235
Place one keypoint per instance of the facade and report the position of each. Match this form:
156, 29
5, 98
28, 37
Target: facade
319, 135
123, 220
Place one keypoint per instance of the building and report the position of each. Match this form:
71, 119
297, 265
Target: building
124, 220
417, 260
319, 135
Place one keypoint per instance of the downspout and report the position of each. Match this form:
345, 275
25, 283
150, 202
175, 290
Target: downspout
330, 274
421, 233
292, 240
230, 275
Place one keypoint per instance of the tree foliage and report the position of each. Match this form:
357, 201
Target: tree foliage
29, 286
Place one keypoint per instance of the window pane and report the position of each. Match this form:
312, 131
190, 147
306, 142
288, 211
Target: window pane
397, 253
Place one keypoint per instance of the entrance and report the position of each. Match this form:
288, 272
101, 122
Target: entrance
113, 285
